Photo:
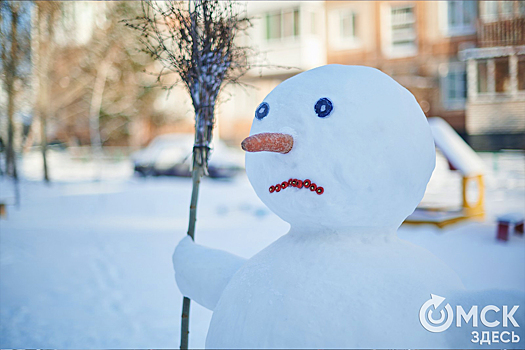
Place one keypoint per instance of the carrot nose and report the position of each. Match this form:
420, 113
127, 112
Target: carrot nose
269, 142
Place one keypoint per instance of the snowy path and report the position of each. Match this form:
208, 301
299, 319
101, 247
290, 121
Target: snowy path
88, 265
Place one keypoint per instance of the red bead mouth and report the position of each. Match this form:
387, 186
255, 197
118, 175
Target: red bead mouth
306, 184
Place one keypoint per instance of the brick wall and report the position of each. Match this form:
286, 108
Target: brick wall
496, 116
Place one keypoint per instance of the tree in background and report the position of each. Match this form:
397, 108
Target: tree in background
89, 76
97, 83
47, 15
15, 56
196, 41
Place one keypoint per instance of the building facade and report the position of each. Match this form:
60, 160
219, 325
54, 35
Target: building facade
495, 110
425, 45
289, 37
415, 42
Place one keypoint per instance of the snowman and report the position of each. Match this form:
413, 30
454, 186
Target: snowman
343, 154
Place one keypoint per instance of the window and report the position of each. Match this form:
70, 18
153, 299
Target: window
283, 24
454, 86
342, 29
482, 77
347, 25
273, 26
403, 27
507, 8
494, 10
490, 10
502, 76
313, 23
398, 29
521, 72
461, 17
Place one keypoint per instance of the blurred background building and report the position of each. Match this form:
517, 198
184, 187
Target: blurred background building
425, 45
463, 60
495, 107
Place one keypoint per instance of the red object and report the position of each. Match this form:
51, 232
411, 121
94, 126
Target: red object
320, 190
272, 189
284, 185
294, 182
277, 188
503, 231
313, 187
519, 228
307, 183
290, 182
299, 184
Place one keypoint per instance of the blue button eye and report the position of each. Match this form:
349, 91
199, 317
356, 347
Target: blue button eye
262, 111
323, 107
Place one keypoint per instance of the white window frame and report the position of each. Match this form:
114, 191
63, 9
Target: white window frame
457, 68
506, 15
461, 28
388, 47
335, 30
485, 15
281, 36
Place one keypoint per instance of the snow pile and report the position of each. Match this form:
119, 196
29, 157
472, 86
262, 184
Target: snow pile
457, 151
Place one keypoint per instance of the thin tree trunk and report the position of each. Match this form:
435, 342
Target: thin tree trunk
10, 148
94, 109
46, 18
43, 147
10, 82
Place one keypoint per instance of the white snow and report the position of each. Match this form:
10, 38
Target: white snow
88, 265
457, 151
512, 218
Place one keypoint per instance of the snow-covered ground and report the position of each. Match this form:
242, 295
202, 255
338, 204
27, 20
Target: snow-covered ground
87, 264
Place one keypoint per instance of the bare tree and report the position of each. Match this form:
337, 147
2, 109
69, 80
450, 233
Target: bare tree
15, 56
96, 90
47, 14
196, 40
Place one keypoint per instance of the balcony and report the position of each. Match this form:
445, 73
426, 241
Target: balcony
503, 32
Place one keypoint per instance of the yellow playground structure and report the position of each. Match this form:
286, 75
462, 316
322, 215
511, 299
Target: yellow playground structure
463, 159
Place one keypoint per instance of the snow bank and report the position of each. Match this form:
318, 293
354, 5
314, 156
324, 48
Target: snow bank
457, 151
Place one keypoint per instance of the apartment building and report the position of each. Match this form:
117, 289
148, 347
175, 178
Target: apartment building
425, 45
289, 37
416, 42
495, 109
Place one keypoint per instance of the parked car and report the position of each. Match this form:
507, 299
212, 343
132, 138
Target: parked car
171, 155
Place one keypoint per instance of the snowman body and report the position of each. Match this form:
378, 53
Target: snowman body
343, 154
331, 290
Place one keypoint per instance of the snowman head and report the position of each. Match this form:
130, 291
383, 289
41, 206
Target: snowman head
340, 146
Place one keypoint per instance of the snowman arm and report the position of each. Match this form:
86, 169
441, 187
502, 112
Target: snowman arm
203, 273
